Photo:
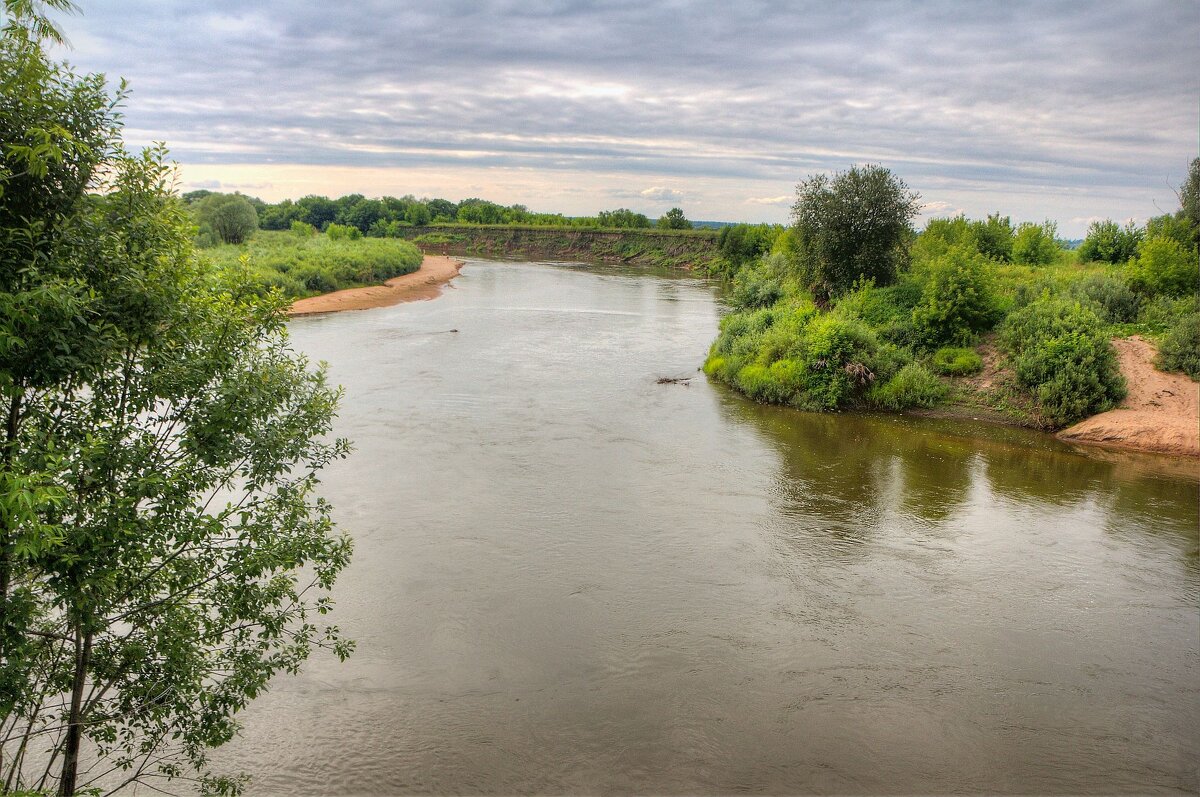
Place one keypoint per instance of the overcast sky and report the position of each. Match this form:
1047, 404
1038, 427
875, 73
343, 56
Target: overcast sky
1070, 111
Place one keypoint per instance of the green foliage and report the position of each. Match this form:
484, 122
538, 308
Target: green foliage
940, 235
303, 229
852, 226
955, 361
1035, 244
742, 244
758, 286
163, 553
1180, 349
1189, 201
1111, 296
231, 217
912, 386
673, 219
957, 301
1163, 266
300, 266
1109, 243
1174, 226
1062, 354
791, 354
994, 237
343, 232
622, 218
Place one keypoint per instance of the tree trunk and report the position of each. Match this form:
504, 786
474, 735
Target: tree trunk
70, 768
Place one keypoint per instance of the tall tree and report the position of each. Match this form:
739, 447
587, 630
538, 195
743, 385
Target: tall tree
159, 530
854, 225
674, 219
231, 217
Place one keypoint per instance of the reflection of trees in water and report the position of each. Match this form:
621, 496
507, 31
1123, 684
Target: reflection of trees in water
840, 475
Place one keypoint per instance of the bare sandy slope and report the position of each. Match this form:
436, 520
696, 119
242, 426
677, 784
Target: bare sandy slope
424, 283
1161, 412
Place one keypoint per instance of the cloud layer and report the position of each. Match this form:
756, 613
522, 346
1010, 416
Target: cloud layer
1034, 108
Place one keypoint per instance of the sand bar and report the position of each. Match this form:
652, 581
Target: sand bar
1161, 412
424, 283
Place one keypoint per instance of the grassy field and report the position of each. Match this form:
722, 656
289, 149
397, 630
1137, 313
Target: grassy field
300, 266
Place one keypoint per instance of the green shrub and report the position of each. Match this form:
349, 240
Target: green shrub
1112, 296
912, 386
343, 232
951, 361
1180, 349
756, 286
958, 300
1062, 355
837, 355
788, 354
1107, 242
303, 229
1035, 245
1164, 266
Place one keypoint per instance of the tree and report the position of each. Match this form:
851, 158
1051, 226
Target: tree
1189, 200
994, 237
1035, 244
318, 211
231, 217
850, 227
1107, 242
158, 458
674, 219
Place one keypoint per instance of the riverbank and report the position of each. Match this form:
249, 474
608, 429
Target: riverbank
691, 250
1161, 413
424, 283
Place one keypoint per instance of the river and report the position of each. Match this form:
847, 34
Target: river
570, 578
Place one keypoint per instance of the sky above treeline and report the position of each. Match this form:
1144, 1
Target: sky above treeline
1065, 110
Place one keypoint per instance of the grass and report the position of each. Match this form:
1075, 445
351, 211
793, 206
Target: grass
300, 266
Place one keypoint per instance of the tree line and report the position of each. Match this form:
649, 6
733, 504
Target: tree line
231, 218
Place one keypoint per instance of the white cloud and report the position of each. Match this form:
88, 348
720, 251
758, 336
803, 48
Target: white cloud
659, 193
781, 201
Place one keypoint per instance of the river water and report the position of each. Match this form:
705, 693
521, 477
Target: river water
570, 578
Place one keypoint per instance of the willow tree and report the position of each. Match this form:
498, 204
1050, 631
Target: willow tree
163, 553
852, 226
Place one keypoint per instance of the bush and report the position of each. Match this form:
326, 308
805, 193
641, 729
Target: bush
1180, 349
1164, 266
1113, 297
303, 229
756, 286
958, 300
343, 232
1062, 355
1108, 243
1035, 245
952, 361
912, 386
790, 355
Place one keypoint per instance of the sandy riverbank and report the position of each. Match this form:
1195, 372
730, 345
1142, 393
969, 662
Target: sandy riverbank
1160, 414
424, 283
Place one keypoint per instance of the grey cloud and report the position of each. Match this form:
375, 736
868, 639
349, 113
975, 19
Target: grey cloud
1091, 96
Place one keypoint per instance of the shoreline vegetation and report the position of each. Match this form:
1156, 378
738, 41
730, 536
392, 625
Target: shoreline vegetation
980, 319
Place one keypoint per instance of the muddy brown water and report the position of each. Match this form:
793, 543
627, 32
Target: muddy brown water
570, 578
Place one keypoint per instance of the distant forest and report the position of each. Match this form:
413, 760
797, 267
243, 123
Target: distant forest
387, 216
